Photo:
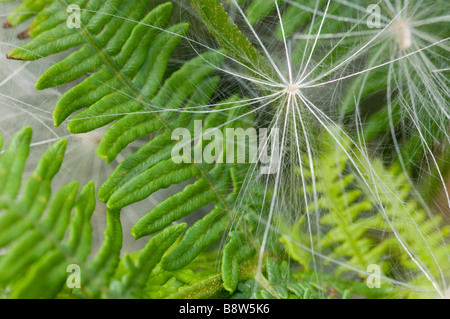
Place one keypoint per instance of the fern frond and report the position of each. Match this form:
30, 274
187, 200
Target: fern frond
38, 251
347, 213
364, 224
34, 224
211, 188
425, 236
129, 90
120, 57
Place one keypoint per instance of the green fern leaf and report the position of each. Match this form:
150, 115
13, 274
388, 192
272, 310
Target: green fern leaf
35, 226
236, 251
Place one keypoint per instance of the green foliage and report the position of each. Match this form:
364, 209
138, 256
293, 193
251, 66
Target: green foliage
228, 35
364, 227
281, 283
25, 10
121, 58
132, 88
236, 251
129, 88
416, 116
34, 225
346, 213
